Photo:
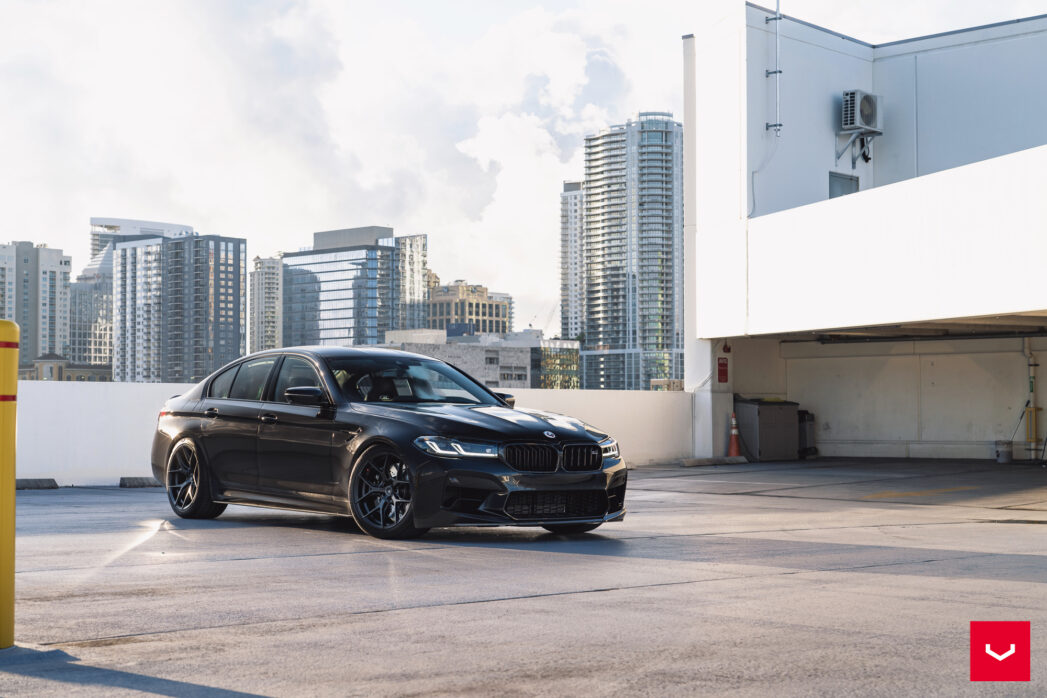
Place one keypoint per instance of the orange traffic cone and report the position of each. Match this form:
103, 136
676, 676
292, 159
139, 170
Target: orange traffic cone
734, 447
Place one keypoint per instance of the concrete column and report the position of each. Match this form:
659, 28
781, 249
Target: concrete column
700, 355
715, 215
692, 372
712, 398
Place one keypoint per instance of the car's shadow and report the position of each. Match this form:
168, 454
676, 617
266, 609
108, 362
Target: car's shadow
464, 535
723, 548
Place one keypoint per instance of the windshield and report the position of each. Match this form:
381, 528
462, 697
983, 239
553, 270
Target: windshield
404, 379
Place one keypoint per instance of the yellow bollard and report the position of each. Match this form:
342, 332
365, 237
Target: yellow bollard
8, 390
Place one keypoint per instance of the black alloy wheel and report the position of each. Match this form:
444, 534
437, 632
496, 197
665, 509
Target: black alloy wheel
380, 492
570, 529
187, 484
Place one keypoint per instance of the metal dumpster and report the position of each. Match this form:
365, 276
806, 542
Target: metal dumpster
769, 428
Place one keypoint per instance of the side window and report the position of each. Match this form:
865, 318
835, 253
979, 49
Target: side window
250, 379
220, 385
295, 373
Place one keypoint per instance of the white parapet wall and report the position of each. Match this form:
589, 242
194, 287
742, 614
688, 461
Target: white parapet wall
95, 433
87, 433
650, 426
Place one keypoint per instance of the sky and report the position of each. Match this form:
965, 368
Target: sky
273, 119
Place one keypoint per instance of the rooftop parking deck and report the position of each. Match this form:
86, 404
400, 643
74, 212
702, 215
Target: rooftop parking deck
797, 578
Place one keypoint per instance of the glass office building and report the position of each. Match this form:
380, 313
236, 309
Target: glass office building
633, 254
353, 287
91, 312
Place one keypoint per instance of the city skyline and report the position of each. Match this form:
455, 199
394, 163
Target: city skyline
466, 152
86, 321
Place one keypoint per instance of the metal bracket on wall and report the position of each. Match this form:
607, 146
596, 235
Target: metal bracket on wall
856, 152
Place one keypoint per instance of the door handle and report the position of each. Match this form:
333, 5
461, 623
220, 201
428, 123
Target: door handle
211, 412
268, 418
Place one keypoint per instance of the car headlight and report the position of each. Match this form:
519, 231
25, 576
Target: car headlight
609, 448
455, 448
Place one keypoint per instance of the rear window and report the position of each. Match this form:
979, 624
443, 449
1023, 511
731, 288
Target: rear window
220, 385
250, 379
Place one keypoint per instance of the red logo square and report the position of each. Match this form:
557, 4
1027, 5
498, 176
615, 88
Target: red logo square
1000, 650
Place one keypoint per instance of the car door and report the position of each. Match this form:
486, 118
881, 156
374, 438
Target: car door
295, 442
230, 427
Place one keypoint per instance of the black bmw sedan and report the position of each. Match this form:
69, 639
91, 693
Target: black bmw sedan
400, 442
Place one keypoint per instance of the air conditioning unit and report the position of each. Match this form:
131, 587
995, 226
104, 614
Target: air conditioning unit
861, 112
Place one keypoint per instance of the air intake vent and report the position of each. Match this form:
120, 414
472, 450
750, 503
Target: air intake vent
556, 505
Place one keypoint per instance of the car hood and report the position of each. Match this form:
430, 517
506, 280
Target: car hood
487, 422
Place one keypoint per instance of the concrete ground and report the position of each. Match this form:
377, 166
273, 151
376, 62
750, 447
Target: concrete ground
820, 578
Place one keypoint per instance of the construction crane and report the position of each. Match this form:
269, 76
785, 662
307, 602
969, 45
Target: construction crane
548, 318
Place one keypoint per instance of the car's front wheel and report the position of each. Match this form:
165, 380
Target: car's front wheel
570, 529
380, 495
188, 484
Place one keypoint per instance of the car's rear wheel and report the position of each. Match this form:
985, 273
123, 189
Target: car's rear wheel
570, 529
380, 495
188, 483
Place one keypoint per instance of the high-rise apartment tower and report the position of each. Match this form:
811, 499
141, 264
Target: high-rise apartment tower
266, 289
572, 261
633, 254
34, 292
179, 306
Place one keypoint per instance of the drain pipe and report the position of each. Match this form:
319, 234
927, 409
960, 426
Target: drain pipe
1032, 437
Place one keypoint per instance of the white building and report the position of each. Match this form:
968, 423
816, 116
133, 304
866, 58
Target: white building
908, 315
34, 292
106, 230
266, 291
572, 261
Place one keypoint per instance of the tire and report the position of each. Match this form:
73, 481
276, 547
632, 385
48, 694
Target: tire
188, 483
571, 529
381, 493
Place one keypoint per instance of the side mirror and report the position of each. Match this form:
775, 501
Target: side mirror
304, 395
509, 399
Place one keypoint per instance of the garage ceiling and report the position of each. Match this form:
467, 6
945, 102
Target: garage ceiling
1017, 325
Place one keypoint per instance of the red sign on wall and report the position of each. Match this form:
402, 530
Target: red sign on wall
721, 369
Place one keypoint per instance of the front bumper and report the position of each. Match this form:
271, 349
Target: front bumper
481, 492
